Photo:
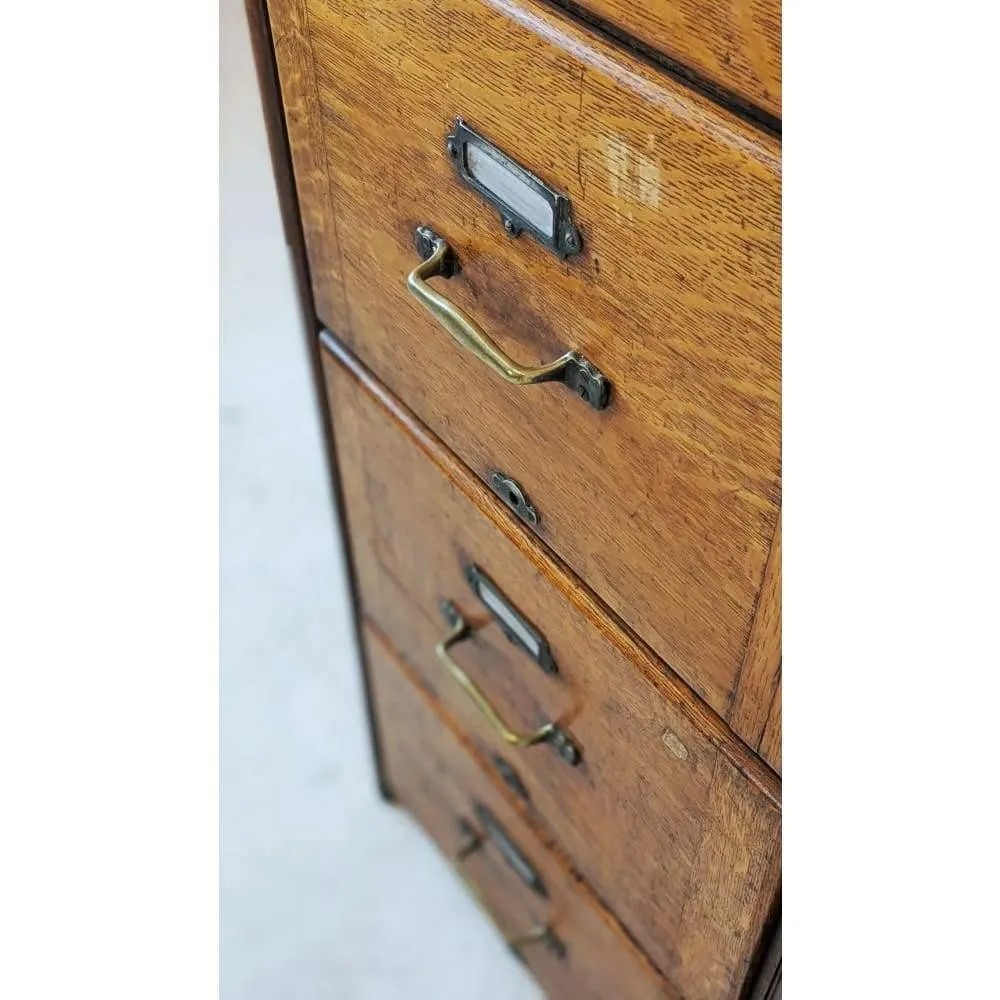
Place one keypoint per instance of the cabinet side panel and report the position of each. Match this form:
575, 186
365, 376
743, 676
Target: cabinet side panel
278, 139
303, 117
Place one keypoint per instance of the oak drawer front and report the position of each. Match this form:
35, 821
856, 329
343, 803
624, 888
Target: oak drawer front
579, 953
734, 44
666, 501
678, 843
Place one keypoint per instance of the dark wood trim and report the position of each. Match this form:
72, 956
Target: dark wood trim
281, 160
742, 107
766, 984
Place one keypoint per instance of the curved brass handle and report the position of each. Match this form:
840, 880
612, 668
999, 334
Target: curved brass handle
543, 934
572, 368
472, 841
550, 732
540, 933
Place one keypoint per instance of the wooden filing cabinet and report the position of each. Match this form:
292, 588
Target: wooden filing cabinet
539, 255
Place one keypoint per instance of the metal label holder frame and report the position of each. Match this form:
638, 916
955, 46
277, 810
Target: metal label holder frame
565, 239
495, 598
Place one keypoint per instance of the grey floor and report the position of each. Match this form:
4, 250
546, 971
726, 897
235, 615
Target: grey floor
326, 891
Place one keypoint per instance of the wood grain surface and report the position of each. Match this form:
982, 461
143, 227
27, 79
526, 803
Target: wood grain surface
736, 44
682, 847
666, 503
304, 127
761, 674
770, 744
433, 774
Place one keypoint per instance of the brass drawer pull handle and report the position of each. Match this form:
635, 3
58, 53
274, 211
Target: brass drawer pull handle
543, 934
572, 368
516, 859
510, 852
471, 840
540, 933
548, 733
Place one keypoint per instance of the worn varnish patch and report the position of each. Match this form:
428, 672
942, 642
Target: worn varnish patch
632, 175
672, 742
